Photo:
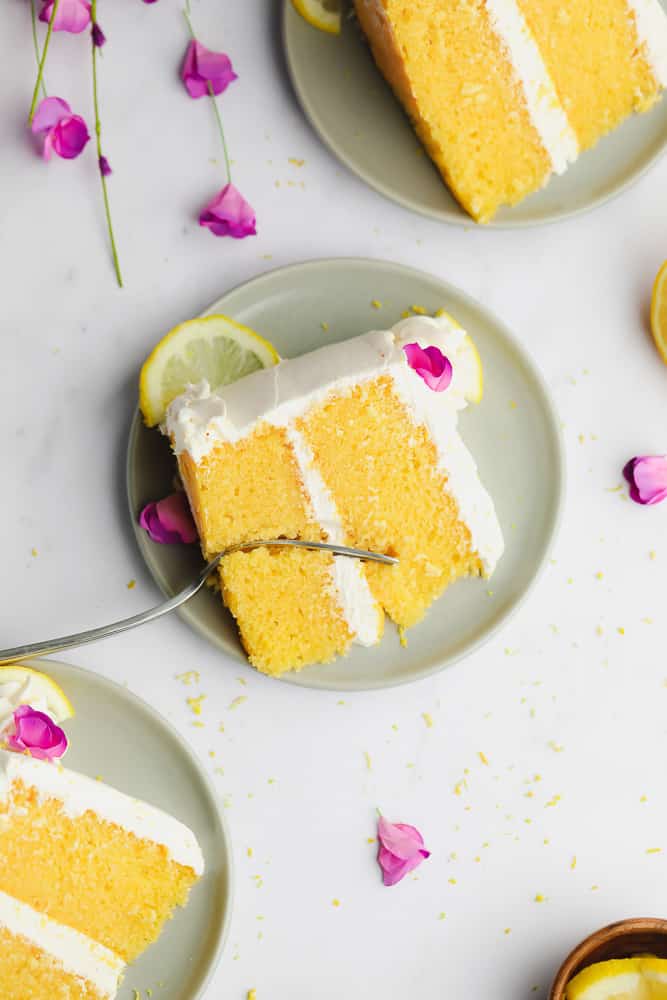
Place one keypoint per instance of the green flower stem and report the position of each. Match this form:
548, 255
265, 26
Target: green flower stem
98, 138
216, 109
33, 19
40, 71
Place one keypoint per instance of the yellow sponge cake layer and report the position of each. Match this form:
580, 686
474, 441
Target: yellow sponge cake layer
42, 959
349, 445
89, 857
597, 59
395, 503
252, 489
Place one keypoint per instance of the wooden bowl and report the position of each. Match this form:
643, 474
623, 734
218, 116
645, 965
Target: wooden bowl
627, 938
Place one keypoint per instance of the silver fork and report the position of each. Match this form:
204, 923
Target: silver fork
92, 635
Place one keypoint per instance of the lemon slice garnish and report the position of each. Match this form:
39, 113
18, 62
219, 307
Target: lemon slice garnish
36, 689
641, 978
468, 357
659, 312
322, 14
214, 348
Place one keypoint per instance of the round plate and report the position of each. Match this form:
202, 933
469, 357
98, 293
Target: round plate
357, 116
118, 736
514, 435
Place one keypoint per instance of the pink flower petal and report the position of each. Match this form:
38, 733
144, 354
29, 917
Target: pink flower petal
401, 850
201, 66
64, 133
37, 733
229, 214
394, 869
72, 15
70, 136
49, 112
647, 476
431, 365
169, 521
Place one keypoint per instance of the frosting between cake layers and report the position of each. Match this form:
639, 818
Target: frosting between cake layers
77, 954
651, 22
349, 583
80, 794
546, 112
199, 418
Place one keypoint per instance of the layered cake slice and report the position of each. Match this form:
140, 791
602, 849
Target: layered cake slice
88, 858
505, 93
352, 444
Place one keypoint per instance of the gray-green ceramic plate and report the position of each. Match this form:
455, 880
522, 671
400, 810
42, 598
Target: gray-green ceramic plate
119, 737
513, 434
357, 116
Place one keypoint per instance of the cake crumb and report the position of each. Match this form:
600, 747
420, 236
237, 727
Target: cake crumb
482, 756
599, 575
131, 584
198, 724
594, 888
652, 554
34, 553
556, 747
376, 304
573, 862
418, 310
620, 630
325, 326
539, 898
238, 701
643, 799
654, 850
249, 852
189, 677
428, 720
508, 930
369, 762
295, 162
196, 703
335, 902
405, 314
402, 638
252, 995
371, 840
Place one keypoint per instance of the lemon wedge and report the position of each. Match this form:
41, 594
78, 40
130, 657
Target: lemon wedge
36, 689
659, 312
469, 358
322, 14
641, 978
214, 348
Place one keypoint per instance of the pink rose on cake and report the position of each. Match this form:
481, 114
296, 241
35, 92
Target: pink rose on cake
36, 733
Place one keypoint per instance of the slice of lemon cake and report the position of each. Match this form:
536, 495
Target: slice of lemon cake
505, 93
354, 444
41, 959
88, 857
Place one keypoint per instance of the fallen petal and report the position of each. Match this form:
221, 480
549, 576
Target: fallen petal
647, 478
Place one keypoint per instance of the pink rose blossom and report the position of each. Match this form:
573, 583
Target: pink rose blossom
201, 67
229, 214
647, 476
431, 365
169, 521
401, 850
72, 15
37, 733
64, 133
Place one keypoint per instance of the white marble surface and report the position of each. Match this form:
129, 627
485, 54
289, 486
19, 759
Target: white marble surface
561, 677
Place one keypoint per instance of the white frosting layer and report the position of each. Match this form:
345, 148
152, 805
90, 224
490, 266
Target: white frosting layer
198, 418
16, 693
78, 954
652, 31
545, 110
348, 579
79, 794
